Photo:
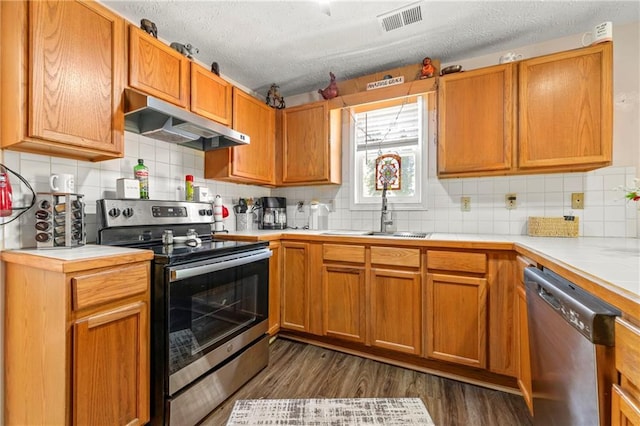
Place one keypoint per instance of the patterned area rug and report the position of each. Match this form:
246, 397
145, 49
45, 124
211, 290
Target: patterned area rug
334, 412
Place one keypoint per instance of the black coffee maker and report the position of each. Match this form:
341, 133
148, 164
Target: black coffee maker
273, 213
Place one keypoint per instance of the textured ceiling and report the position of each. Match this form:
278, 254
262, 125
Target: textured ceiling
296, 43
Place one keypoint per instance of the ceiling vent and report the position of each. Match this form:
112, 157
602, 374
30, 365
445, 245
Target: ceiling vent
401, 17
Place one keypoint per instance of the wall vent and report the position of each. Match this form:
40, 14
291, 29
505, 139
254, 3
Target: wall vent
401, 17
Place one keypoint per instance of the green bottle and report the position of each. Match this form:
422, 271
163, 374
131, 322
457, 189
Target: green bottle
141, 172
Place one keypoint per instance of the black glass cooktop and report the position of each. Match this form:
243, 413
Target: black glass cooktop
178, 253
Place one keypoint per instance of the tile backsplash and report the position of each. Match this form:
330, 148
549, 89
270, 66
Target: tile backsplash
606, 212
168, 164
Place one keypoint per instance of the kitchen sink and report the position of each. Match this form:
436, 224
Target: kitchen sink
402, 234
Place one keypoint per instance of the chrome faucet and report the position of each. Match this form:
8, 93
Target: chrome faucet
385, 214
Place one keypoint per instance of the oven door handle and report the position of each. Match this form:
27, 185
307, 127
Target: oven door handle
192, 271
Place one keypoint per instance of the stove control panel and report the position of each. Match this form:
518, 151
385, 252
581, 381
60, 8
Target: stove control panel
116, 213
169, 211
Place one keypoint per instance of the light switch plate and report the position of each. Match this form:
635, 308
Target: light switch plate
577, 200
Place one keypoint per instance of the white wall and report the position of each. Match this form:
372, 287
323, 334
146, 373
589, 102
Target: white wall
606, 213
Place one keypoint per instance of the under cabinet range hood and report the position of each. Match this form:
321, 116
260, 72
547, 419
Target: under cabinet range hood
157, 119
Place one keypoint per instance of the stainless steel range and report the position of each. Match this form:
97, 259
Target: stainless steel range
209, 304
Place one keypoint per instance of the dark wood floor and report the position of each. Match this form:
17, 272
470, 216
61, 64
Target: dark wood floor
298, 370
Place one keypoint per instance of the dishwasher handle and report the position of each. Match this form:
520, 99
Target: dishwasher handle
591, 316
549, 298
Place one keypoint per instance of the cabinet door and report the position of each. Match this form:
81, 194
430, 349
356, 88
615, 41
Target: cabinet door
111, 375
77, 78
395, 310
253, 163
295, 286
476, 122
305, 143
343, 302
457, 319
210, 95
565, 110
157, 69
275, 271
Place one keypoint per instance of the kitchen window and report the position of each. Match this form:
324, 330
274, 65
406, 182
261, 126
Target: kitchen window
397, 127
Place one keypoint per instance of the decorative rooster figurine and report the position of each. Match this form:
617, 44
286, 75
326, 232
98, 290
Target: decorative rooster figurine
331, 91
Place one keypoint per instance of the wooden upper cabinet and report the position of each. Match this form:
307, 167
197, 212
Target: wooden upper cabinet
476, 123
310, 145
253, 163
565, 110
547, 114
210, 95
62, 82
157, 69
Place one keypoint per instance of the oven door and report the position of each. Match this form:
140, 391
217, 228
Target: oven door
215, 308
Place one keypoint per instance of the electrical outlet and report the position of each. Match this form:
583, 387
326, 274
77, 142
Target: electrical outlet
510, 201
577, 201
300, 206
465, 204
332, 205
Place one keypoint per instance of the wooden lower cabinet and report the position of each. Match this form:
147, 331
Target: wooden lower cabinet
457, 319
625, 399
343, 302
395, 310
77, 342
295, 286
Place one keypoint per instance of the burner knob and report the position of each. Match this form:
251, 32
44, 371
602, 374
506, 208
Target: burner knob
202, 212
114, 212
128, 212
209, 212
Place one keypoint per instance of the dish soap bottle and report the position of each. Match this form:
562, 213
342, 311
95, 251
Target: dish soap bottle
141, 173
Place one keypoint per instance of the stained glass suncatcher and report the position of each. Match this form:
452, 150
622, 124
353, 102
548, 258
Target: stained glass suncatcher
388, 171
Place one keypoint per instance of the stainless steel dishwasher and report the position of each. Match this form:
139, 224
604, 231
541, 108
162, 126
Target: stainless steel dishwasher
571, 342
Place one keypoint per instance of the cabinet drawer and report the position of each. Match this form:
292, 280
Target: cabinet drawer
101, 287
395, 256
343, 253
628, 350
457, 261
